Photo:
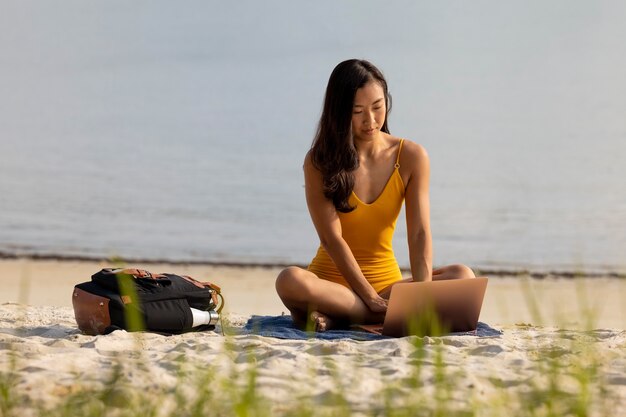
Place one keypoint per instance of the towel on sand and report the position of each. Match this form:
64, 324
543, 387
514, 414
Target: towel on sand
282, 327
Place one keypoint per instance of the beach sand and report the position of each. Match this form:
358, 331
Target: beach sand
250, 290
555, 332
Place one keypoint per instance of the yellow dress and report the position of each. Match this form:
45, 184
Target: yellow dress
368, 231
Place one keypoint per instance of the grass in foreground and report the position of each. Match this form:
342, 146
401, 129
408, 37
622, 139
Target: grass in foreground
567, 379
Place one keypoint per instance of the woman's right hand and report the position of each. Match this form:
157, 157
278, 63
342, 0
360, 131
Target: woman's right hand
377, 304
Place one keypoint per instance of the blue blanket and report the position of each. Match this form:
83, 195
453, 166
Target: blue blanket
282, 327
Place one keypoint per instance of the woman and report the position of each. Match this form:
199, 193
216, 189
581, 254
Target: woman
356, 177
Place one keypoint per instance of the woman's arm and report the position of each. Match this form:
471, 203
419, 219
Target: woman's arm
418, 213
328, 227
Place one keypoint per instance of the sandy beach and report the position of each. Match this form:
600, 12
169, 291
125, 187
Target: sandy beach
250, 290
560, 333
176, 138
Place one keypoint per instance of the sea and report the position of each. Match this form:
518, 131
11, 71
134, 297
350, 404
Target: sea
161, 130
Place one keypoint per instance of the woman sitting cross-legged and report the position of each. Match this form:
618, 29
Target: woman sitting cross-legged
357, 175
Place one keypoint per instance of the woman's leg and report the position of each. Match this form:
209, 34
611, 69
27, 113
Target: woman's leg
325, 302
453, 272
445, 272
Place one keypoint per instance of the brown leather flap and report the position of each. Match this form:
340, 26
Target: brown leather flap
91, 312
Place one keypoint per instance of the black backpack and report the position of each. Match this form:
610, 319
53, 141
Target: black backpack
135, 299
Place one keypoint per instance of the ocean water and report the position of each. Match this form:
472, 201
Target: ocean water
167, 131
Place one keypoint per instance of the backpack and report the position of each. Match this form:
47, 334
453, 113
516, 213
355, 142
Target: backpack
135, 299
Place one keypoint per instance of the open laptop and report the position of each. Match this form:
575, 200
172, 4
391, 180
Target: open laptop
432, 308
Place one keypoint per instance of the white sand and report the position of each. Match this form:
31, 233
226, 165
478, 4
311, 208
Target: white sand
250, 290
53, 359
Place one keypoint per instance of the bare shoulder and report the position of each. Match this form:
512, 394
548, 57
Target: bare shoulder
312, 175
308, 165
413, 156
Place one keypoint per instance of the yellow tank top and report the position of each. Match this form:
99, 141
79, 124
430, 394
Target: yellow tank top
368, 231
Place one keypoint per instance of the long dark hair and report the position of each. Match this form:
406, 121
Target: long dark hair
333, 151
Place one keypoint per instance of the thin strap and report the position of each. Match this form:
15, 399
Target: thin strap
397, 165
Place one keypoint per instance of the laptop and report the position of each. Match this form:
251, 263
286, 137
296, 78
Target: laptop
432, 308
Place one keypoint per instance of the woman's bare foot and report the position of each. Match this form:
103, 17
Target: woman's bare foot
316, 321
321, 322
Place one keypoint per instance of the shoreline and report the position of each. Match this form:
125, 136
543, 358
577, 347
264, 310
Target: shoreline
249, 290
534, 273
